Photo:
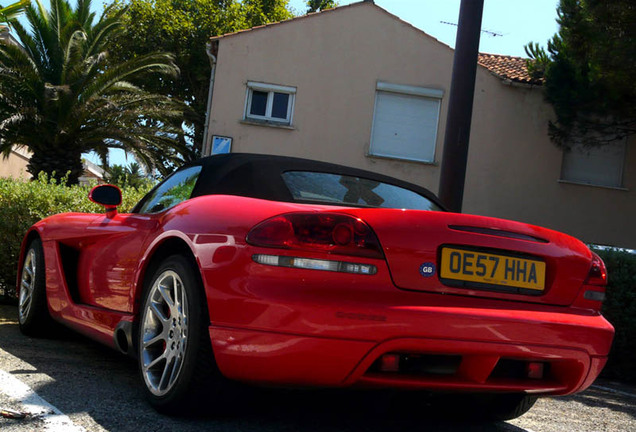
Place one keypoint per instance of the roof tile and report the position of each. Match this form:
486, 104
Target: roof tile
508, 67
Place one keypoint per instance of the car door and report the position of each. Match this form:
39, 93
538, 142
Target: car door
111, 257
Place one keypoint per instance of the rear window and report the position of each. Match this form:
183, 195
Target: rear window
360, 192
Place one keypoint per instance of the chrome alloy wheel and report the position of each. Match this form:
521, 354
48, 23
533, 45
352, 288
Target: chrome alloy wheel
164, 333
27, 285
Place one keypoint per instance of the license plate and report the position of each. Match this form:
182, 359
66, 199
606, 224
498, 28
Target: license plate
492, 269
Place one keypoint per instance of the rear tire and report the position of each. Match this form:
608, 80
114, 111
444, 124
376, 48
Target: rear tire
174, 350
33, 311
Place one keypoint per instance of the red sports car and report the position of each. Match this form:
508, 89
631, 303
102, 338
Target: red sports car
284, 271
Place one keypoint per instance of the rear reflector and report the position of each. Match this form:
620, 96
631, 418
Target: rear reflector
315, 264
390, 363
535, 370
594, 295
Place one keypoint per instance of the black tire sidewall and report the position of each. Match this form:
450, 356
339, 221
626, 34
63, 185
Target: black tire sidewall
37, 319
177, 396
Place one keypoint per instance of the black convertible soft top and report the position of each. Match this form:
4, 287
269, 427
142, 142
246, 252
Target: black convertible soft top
261, 176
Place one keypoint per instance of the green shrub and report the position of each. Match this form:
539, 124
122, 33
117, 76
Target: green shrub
620, 309
24, 203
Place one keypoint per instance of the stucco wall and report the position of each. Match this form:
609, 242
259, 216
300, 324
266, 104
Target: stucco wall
14, 166
335, 59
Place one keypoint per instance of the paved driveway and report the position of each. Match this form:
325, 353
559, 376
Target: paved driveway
74, 384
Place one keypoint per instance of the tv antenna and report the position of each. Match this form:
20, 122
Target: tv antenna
488, 32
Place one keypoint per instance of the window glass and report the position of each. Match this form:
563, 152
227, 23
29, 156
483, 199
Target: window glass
279, 109
341, 189
175, 189
269, 103
259, 103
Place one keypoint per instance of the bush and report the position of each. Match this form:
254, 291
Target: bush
24, 203
620, 309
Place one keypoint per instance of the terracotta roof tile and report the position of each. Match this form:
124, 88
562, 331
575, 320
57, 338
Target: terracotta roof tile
508, 67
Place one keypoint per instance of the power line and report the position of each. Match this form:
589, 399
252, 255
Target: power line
488, 32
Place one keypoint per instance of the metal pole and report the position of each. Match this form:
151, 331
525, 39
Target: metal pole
460, 106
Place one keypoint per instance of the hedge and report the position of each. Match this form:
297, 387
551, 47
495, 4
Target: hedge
24, 203
620, 309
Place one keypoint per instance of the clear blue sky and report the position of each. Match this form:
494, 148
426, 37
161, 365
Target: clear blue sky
517, 21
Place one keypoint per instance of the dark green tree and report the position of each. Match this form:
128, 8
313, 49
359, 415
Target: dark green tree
61, 94
183, 27
127, 176
318, 5
589, 68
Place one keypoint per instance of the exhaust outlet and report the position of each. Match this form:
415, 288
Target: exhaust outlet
123, 338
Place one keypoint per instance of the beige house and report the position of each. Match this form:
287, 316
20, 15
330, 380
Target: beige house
358, 86
15, 166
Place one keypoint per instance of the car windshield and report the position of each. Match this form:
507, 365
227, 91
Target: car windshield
357, 191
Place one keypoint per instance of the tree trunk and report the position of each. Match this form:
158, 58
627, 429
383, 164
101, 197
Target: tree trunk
57, 163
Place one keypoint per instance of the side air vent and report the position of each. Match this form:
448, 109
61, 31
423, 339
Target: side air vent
69, 257
498, 233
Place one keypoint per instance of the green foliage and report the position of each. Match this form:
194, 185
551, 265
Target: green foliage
24, 203
12, 11
127, 176
589, 69
318, 5
184, 27
620, 309
62, 94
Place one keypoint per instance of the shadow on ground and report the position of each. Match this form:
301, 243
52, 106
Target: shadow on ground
80, 376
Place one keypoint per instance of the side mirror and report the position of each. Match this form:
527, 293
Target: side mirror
107, 195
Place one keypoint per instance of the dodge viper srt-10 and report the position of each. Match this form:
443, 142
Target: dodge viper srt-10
288, 272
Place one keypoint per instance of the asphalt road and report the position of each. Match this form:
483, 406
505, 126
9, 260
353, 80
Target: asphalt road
69, 383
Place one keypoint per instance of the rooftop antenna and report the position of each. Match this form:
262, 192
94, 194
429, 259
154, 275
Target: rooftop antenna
488, 32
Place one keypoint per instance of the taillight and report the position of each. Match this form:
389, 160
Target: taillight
594, 286
598, 272
317, 232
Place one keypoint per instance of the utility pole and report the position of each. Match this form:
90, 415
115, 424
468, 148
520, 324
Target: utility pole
460, 106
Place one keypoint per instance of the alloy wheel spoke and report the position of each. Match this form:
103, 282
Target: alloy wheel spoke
159, 337
154, 362
164, 333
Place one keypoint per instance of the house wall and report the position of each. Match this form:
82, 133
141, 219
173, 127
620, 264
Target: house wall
335, 59
14, 166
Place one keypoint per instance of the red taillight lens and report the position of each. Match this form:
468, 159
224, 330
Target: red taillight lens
325, 232
598, 272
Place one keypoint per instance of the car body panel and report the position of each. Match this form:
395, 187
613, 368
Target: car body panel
293, 326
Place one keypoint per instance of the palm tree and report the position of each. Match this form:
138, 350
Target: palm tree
12, 11
61, 96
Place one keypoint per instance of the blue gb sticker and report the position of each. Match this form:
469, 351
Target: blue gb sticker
427, 269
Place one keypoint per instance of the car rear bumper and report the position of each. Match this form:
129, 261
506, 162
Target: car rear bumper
494, 364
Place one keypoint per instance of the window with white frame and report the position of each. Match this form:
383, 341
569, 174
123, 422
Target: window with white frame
269, 103
598, 166
405, 122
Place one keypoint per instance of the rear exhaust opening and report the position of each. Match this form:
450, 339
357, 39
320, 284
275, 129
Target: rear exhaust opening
123, 338
442, 365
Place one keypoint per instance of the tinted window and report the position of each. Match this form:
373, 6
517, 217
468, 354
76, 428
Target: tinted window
279, 108
341, 189
259, 103
175, 189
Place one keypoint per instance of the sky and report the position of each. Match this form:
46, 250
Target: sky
514, 23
